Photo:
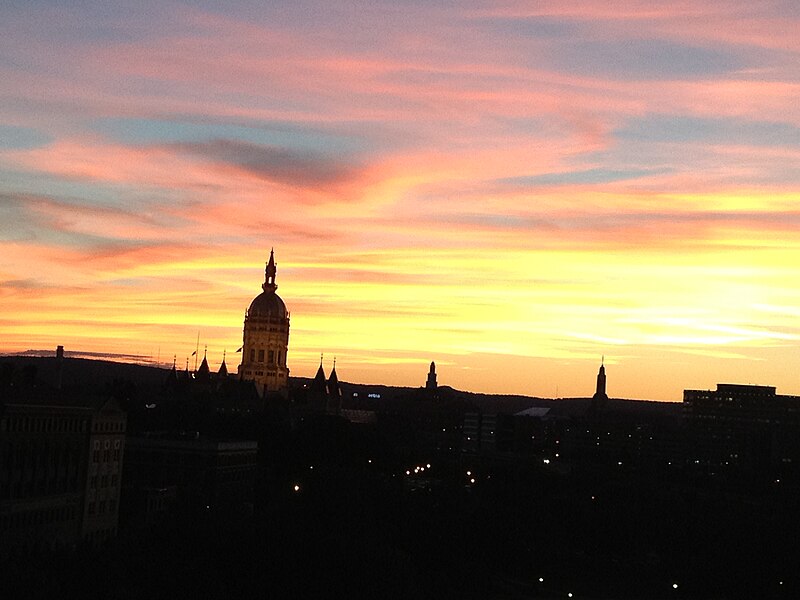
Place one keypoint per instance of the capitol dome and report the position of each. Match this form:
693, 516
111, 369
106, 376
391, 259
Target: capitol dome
267, 303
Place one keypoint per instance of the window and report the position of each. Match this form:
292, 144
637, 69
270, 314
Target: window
260, 356
114, 481
91, 508
102, 507
93, 481
271, 357
252, 355
116, 454
96, 456
105, 455
104, 481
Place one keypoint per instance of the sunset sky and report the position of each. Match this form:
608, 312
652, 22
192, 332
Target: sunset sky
511, 189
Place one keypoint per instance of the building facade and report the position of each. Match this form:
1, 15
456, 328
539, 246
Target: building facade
748, 427
60, 470
205, 474
266, 338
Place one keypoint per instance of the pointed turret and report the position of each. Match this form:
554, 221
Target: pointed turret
172, 376
203, 373
334, 392
223, 368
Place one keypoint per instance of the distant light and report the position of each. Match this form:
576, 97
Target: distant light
569, 595
546, 461
311, 467
620, 463
541, 579
428, 466
472, 480
556, 454
469, 473
674, 586
592, 497
408, 472
369, 460
296, 488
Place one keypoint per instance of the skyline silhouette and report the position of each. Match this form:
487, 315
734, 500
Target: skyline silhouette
511, 190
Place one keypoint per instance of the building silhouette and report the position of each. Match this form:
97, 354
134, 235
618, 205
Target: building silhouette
266, 338
600, 398
431, 384
61, 469
745, 427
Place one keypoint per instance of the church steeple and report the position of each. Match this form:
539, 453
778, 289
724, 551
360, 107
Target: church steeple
600, 392
600, 398
431, 384
269, 284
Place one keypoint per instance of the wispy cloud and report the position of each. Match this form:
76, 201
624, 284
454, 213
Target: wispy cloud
492, 183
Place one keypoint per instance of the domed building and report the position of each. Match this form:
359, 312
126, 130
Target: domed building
266, 338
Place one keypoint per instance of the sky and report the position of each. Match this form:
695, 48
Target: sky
511, 189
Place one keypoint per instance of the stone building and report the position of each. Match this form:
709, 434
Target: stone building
266, 338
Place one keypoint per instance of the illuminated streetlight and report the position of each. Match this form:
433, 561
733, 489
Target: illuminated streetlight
296, 488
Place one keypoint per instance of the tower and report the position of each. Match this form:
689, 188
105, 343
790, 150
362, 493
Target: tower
266, 337
600, 398
600, 390
431, 383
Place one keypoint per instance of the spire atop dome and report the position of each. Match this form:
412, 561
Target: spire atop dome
269, 284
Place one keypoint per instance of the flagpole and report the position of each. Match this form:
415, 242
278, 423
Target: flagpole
196, 349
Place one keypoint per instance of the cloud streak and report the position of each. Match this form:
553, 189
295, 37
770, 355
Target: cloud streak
492, 183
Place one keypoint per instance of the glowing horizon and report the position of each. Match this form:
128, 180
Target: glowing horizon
509, 190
